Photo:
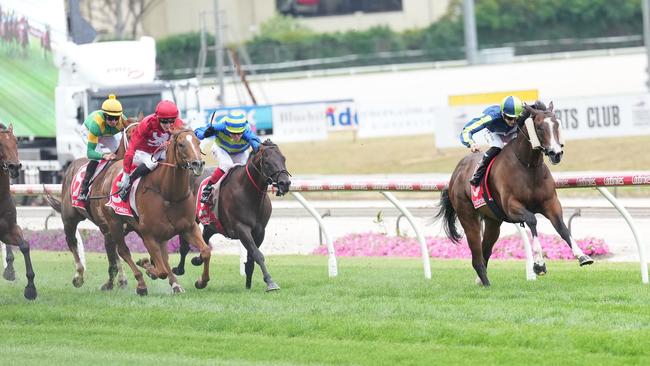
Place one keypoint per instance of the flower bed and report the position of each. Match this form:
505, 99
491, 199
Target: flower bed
93, 241
509, 247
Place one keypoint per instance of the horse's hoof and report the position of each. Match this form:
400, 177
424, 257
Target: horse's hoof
272, 287
585, 260
9, 274
200, 284
177, 289
178, 271
123, 283
107, 287
142, 262
141, 291
197, 261
151, 275
30, 292
77, 282
540, 269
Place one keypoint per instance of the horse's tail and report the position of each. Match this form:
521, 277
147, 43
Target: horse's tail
448, 211
56, 204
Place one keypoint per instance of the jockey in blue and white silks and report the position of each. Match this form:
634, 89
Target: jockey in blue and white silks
232, 138
500, 122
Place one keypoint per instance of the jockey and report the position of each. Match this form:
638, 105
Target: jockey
102, 127
147, 144
500, 121
232, 137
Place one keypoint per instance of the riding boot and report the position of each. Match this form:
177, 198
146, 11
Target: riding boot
85, 184
139, 172
482, 165
207, 190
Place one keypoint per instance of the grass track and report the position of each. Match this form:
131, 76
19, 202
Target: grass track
377, 312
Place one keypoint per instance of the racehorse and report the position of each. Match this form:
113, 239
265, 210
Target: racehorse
166, 205
10, 232
244, 207
72, 216
520, 183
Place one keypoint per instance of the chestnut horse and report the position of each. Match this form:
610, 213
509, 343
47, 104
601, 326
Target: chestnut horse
72, 216
166, 205
245, 207
10, 232
520, 183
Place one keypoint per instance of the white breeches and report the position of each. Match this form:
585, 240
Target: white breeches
226, 161
151, 161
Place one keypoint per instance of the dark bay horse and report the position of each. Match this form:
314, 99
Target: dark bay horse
245, 207
521, 185
10, 232
166, 205
72, 216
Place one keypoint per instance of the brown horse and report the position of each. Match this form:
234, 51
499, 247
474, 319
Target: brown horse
165, 202
245, 207
10, 232
72, 216
521, 185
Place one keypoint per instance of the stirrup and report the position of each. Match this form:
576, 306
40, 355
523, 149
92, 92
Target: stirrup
205, 195
124, 193
82, 197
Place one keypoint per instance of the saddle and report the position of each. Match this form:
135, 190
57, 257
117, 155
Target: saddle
482, 196
78, 178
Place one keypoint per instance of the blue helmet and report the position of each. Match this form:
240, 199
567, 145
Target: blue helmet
512, 106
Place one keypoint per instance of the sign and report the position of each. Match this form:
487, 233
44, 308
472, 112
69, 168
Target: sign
395, 119
260, 117
341, 115
299, 122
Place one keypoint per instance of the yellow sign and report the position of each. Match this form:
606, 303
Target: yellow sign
492, 98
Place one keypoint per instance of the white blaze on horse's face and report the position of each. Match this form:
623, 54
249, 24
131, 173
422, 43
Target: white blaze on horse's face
553, 144
188, 137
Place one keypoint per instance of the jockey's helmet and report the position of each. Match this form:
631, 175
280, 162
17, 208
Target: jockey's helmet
112, 106
166, 109
235, 122
512, 106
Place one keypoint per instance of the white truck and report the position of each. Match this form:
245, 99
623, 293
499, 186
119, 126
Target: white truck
89, 73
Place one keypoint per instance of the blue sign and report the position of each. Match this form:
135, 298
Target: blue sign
260, 117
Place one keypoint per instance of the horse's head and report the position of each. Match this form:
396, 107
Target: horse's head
9, 161
186, 151
271, 164
544, 132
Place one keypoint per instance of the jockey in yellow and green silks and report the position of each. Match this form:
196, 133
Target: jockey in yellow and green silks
501, 124
102, 127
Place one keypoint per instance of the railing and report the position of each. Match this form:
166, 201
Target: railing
597, 181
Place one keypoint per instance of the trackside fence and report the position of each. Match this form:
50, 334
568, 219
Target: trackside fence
597, 181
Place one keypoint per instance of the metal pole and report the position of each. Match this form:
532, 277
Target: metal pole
218, 49
646, 36
470, 31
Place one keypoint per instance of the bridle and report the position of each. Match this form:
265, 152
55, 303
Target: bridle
194, 165
272, 178
6, 165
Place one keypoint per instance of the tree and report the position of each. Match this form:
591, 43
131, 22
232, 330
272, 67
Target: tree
124, 14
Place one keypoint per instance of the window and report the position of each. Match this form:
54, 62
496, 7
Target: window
335, 7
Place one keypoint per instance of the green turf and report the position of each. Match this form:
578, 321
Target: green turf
376, 312
27, 86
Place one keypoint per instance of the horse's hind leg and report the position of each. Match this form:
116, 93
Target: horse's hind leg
472, 227
553, 212
490, 236
9, 273
246, 238
15, 237
111, 253
125, 253
195, 237
70, 230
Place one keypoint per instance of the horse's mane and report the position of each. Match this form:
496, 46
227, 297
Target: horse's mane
268, 142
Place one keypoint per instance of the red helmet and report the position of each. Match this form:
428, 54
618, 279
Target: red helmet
166, 109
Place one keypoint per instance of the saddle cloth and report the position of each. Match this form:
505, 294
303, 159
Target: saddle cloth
482, 196
78, 178
204, 211
120, 207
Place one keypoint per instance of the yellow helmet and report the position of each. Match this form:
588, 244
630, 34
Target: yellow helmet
112, 106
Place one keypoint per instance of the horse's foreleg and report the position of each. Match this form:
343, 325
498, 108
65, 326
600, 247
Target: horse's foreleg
553, 212
539, 267
157, 269
183, 250
9, 273
194, 237
176, 287
246, 238
249, 267
15, 237
208, 232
